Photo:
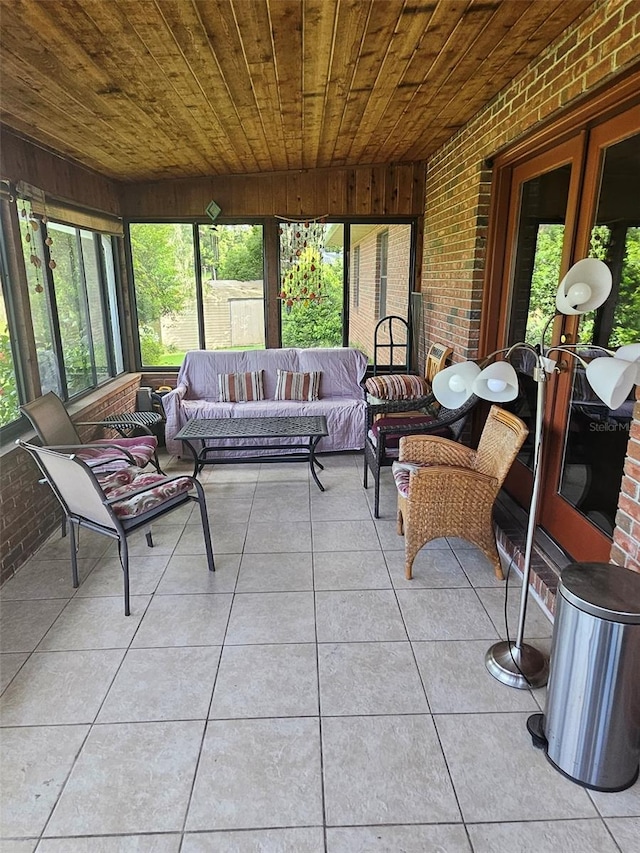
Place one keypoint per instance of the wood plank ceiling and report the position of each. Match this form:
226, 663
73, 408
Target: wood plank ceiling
152, 89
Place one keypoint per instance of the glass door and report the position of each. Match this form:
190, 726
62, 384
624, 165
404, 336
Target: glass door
581, 198
586, 459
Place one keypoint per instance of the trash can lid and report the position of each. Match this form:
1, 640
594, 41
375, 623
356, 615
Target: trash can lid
604, 590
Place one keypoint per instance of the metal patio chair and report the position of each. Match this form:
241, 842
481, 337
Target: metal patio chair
55, 429
116, 506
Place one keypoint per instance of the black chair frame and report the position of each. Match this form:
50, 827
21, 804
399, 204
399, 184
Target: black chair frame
376, 455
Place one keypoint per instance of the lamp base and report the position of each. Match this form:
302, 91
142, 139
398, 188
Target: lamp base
522, 667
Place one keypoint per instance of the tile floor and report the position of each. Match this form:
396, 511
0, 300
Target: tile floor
304, 699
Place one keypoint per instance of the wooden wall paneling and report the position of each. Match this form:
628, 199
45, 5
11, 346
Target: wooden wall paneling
363, 200
22, 161
391, 190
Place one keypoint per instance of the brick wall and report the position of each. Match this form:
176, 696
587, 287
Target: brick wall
28, 511
363, 318
604, 42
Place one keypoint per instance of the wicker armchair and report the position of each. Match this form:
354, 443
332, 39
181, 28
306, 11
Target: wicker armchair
447, 489
386, 423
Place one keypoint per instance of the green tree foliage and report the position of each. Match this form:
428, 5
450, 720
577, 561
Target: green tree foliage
240, 252
8, 387
162, 268
544, 279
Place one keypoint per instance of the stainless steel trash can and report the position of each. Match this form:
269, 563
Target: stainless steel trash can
590, 729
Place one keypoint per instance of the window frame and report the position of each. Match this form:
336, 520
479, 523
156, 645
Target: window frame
15, 289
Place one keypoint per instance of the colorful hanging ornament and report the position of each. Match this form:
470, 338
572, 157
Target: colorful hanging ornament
301, 252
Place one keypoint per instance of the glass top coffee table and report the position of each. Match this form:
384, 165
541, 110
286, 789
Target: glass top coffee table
199, 431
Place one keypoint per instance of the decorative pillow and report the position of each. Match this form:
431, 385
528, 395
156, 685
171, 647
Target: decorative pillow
393, 439
397, 386
240, 387
297, 386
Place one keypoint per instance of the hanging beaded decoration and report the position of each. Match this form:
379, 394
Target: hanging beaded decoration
32, 225
301, 258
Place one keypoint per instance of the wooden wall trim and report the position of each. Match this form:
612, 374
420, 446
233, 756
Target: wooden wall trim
396, 189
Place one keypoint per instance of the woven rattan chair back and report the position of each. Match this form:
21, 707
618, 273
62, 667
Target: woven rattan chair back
501, 439
436, 360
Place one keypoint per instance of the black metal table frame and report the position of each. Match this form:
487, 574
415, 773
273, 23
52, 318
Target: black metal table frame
295, 452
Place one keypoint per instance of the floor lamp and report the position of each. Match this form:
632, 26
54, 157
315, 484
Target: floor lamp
584, 288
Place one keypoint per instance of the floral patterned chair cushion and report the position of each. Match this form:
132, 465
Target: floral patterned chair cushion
141, 447
121, 484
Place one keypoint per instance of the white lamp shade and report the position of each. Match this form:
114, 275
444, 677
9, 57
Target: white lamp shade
498, 382
585, 287
452, 386
630, 352
612, 379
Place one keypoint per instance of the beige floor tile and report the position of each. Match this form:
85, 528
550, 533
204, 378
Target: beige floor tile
277, 537
275, 573
307, 840
621, 804
338, 506
282, 509
10, 664
626, 831
369, 678
352, 616
537, 624
223, 512
90, 545
478, 568
184, 620
129, 778
458, 682
499, 776
258, 774
24, 623
55, 688
391, 541
443, 838
35, 764
112, 844
95, 623
272, 617
444, 614
432, 568
107, 578
266, 681
164, 536
385, 770
345, 536
569, 836
15, 846
350, 570
162, 684
225, 540
190, 575
46, 579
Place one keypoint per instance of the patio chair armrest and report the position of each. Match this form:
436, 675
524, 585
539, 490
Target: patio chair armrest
445, 485
119, 453
435, 450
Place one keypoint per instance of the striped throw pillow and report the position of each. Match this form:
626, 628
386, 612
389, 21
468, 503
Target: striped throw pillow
297, 386
397, 386
240, 387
